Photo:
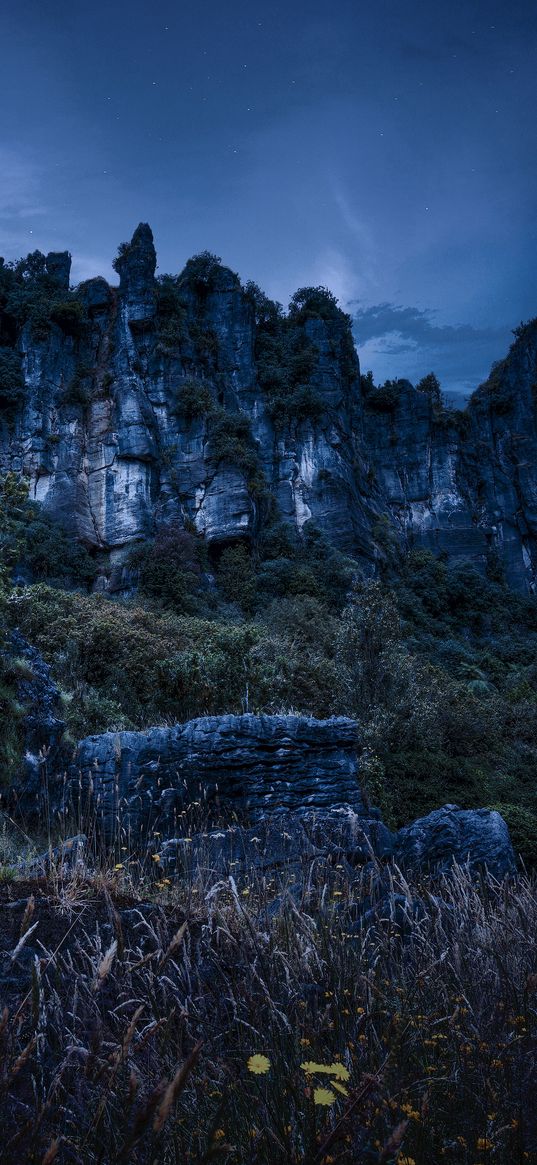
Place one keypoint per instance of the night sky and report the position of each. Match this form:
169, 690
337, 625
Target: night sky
385, 149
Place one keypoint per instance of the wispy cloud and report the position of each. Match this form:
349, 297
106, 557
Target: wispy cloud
20, 201
407, 342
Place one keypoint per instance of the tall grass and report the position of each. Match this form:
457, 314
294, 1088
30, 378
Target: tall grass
333, 1018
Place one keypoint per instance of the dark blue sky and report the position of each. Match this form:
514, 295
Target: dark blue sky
386, 149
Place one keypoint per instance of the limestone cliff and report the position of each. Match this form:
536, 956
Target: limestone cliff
191, 398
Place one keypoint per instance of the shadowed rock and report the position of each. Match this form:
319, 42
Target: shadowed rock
251, 764
479, 837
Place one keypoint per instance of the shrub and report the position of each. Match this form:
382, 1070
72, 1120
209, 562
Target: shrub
522, 823
201, 272
53, 553
169, 567
172, 313
230, 439
237, 578
12, 385
70, 315
430, 385
315, 303
193, 399
286, 361
78, 391
383, 399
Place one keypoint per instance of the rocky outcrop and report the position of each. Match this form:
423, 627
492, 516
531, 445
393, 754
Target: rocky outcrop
479, 837
465, 483
277, 422
250, 765
281, 841
289, 784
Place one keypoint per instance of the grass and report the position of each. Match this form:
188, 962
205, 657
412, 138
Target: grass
259, 1020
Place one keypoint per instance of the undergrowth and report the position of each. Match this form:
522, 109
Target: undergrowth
247, 1021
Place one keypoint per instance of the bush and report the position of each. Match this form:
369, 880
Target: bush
237, 578
383, 399
193, 399
52, 553
315, 303
522, 824
169, 568
12, 385
78, 391
286, 361
230, 439
70, 315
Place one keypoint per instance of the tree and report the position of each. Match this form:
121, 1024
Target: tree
431, 385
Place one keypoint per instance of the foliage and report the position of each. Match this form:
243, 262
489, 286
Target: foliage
31, 539
30, 295
13, 501
230, 439
12, 386
78, 391
308, 1038
286, 362
315, 303
70, 315
381, 399
172, 313
430, 384
193, 399
169, 568
237, 578
202, 272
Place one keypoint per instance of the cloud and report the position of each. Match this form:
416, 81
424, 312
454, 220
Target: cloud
20, 202
407, 342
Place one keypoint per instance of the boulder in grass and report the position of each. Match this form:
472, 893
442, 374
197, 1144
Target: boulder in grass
478, 837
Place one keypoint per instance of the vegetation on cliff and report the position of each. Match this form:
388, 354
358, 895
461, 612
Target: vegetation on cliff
436, 662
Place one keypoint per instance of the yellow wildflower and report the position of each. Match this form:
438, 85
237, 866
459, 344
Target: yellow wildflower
323, 1096
258, 1064
338, 1070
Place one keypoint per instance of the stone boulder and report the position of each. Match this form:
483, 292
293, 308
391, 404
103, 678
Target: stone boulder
250, 765
280, 842
479, 837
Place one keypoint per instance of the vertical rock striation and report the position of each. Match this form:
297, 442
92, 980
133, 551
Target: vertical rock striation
184, 399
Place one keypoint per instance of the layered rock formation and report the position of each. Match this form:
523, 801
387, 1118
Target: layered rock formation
184, 398
291, 784
248, 764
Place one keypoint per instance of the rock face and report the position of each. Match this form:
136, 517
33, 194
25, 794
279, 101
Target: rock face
249, 764
282, 841
477, 836
290, 782
130, 413
466, 482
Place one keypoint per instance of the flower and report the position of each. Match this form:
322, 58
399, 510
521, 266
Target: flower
338, 1070
323, 1096
258, 1064
119, 866
155, 857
